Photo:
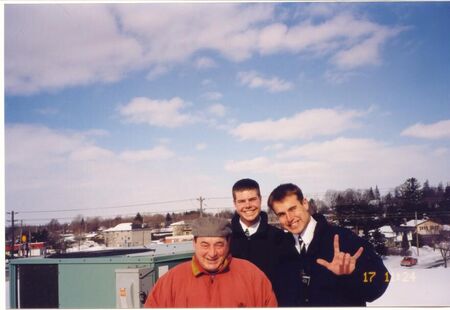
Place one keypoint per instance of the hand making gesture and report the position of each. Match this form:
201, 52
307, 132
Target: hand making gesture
342, 263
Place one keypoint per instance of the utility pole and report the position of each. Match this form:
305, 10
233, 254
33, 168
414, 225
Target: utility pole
417, 234
201, 199
12, 232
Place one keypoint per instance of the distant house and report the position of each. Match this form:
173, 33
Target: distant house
390, 235
122, 235
427, 230
180, 228
179, 238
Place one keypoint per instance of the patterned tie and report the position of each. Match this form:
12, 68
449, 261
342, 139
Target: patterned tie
302, 247
247, 233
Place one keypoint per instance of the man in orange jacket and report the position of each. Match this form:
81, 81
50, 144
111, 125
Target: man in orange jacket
212, 278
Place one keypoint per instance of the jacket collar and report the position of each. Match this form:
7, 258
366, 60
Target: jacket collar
237, 227
320, 226
197, 269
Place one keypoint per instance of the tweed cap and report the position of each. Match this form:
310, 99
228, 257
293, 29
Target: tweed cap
211, 227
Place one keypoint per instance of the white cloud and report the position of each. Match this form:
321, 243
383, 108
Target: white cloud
48, 169
274, 147
341, 32
259, 164
55, 46
349, 163
207, 83
157, 153
366, 52
49, 47
217, 109
161, 113
201, 146
254, 79
212, 95
438, 130
90, 152
47, 111
304, 125
205, 63
156, 72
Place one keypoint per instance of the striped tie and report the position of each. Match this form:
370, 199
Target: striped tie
302, 247
247, 232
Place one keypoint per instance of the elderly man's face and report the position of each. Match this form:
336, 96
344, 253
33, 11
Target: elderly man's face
211, 252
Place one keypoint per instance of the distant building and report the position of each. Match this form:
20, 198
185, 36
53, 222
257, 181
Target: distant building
390, 235
180, 228
122, 235
427, 230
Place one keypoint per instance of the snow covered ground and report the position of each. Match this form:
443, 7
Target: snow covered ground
416, 285
410, 286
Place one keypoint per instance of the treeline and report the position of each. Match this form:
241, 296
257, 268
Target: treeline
367, 209
363, 209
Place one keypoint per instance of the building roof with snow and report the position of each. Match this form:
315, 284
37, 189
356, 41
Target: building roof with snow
120, 227
387, 231
180, 223
412, 223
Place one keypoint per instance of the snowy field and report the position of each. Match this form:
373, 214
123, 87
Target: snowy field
418, 285
410, 286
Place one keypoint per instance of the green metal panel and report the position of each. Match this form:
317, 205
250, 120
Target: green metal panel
88, 285
91, 282
12, 286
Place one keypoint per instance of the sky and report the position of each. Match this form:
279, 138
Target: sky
113, 109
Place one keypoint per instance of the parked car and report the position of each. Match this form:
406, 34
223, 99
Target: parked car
408, 261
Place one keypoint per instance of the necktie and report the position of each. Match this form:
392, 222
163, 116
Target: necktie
247, 233
302, 247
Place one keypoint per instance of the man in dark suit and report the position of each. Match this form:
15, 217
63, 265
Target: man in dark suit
331, 267
253, 238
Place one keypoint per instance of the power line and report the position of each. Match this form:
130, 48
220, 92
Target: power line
110, 207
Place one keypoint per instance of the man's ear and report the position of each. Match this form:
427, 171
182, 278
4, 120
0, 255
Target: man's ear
305, 204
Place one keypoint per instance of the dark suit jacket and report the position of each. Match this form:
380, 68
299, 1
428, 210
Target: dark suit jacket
368, 282
263, 248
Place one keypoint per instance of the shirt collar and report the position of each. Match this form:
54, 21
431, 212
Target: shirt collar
197, 269
307, 234
251, 229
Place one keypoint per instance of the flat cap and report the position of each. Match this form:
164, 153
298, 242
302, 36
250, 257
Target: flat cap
211, 227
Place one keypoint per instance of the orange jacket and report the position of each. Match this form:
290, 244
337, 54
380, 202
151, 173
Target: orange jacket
240, 284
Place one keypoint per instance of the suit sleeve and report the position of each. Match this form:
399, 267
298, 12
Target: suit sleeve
371, 278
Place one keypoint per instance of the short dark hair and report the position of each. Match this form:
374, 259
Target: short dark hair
245, 184
282, 191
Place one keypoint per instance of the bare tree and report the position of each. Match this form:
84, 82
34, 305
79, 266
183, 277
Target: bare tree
444, 248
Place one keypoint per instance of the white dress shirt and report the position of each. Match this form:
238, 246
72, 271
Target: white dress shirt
251, 229
307, 235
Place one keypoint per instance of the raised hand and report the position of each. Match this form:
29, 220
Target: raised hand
342, 263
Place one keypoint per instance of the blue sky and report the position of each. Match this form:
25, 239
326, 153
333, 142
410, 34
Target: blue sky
117, 104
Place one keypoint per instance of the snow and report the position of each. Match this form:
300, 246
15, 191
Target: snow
412, 223
120, 227
416, 285
87, 246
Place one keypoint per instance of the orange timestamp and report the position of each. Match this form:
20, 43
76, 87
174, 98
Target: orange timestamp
403, 276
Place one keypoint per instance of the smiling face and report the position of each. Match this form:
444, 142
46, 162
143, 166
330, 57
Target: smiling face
248, 205
211, 252
292, 214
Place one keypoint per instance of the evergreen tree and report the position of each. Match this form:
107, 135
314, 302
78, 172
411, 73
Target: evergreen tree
168, 219
377, 193
378, 240
137, 221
